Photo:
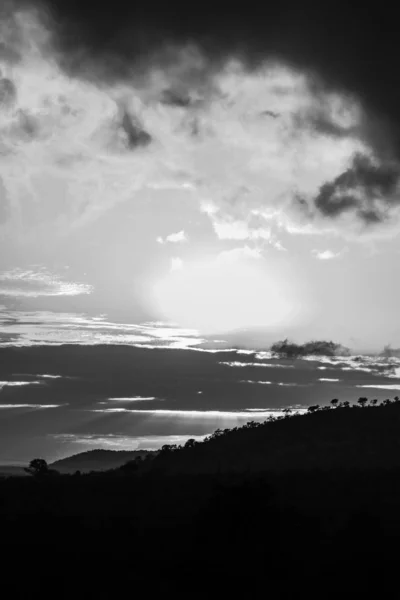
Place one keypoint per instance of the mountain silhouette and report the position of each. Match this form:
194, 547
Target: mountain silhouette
97, 460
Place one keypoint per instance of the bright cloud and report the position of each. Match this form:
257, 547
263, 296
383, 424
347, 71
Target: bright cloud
194, 413
381, 387
45, 327
238, 254
325, 254
134, 399
35, 283
174, 238
16, 383
176, 264
121, 442
13, 406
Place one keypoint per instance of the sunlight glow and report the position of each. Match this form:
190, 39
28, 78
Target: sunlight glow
220, 296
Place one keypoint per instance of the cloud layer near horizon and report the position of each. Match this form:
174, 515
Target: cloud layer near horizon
148, 395
38, 282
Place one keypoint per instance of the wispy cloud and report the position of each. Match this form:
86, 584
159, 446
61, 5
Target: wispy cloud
124, 442
4, 384
381, 387
206, 414
253, 364
325, 254
11, 406
237, 254
227, 229
279, 383
28, 328
174, 238
32, 283
134, 399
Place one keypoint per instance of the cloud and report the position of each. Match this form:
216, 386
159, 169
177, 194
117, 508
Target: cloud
73, 147
369, 188
254, 364
381, 387
194, 413
238, 254
176, 264
228, 228
13, 406
174, 238
36, 328
4, 384
134, 399
34, 283
254, 133
114, 441
325, 254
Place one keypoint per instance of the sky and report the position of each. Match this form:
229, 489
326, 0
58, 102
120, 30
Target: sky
196, 178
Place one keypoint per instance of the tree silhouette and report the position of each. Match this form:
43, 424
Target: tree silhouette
334, 402
129, 467
190, 443
38, 467
362, 401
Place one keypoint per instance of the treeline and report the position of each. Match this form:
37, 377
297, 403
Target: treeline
363, 434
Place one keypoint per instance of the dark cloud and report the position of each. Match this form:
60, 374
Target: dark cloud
367, 187
270, 113
174, 98
11, 38
8, 92
135, 134
322, 123
356, 54
352, 52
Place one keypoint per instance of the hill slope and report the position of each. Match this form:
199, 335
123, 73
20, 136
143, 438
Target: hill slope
97, 460
352, 437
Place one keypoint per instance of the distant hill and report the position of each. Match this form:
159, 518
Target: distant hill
11, 470
98, 460
350, 437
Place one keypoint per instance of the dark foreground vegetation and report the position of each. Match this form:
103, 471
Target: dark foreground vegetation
321, 518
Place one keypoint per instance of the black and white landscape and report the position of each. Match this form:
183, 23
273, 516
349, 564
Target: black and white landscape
199, 297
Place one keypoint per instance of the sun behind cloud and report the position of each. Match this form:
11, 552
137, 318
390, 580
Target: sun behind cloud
222, 295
